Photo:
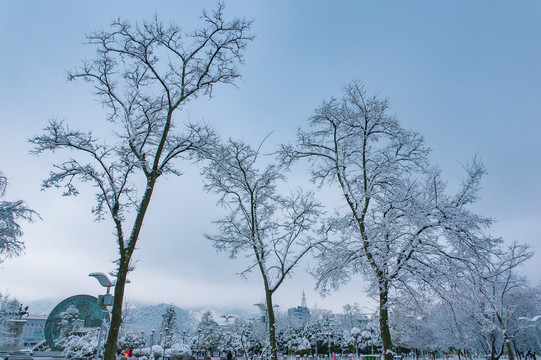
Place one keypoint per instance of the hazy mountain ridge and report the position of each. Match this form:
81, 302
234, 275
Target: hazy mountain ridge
143, 317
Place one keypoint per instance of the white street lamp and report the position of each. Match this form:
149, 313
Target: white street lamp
105, 300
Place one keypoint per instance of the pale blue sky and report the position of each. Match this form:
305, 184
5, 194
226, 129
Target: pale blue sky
464, 74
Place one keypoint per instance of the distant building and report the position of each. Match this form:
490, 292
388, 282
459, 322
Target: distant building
300, 313
33, 332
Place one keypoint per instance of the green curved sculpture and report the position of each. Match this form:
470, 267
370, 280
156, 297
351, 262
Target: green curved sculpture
89, 311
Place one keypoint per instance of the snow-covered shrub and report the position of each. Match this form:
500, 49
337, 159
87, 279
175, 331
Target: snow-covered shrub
68, 326
157, 352
300, 345
81, 346
130, 341
179, 351
142, 353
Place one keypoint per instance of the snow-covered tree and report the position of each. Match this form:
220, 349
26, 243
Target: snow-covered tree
246, 337
143, 73
169, 324
273, 231
492, 285
11, 212
169, 318
130, 341
355, 334
9, 310
68, 326
398, 228
525, 329
349, 319
486, 313
209, 334
76, 341
82, 345
413, 323
370, 340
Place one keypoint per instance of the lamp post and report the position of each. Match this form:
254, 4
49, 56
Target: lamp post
264, 311
105, 300
198, 341
331, 334
162, 345
152, 341
314, 340
265, 317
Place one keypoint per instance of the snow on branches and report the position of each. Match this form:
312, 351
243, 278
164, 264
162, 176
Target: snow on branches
10, 230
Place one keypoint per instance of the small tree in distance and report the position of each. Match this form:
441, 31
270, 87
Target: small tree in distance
169, 324
274, 232
9, 309
143, 74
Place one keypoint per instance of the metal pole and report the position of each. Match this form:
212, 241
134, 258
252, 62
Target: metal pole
151, 342
356, 347
330, 339
99, 343
98, 350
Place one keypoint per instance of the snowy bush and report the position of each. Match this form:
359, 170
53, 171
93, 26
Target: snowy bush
157, 352
81, 346
300, 345
142, 353
130, 341
179, 351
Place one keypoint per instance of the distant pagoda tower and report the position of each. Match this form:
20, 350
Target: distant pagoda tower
301, 313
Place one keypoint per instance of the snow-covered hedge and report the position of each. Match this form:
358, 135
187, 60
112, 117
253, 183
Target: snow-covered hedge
179, 351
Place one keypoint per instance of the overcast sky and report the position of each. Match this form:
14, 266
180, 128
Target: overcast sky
464, 74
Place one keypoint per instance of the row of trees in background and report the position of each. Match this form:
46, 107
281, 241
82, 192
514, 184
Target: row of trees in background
396, 225
463, 327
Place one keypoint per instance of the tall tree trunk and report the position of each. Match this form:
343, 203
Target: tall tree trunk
506, 339
272, 327
510, 353
384, 320
116, 316
123, 269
